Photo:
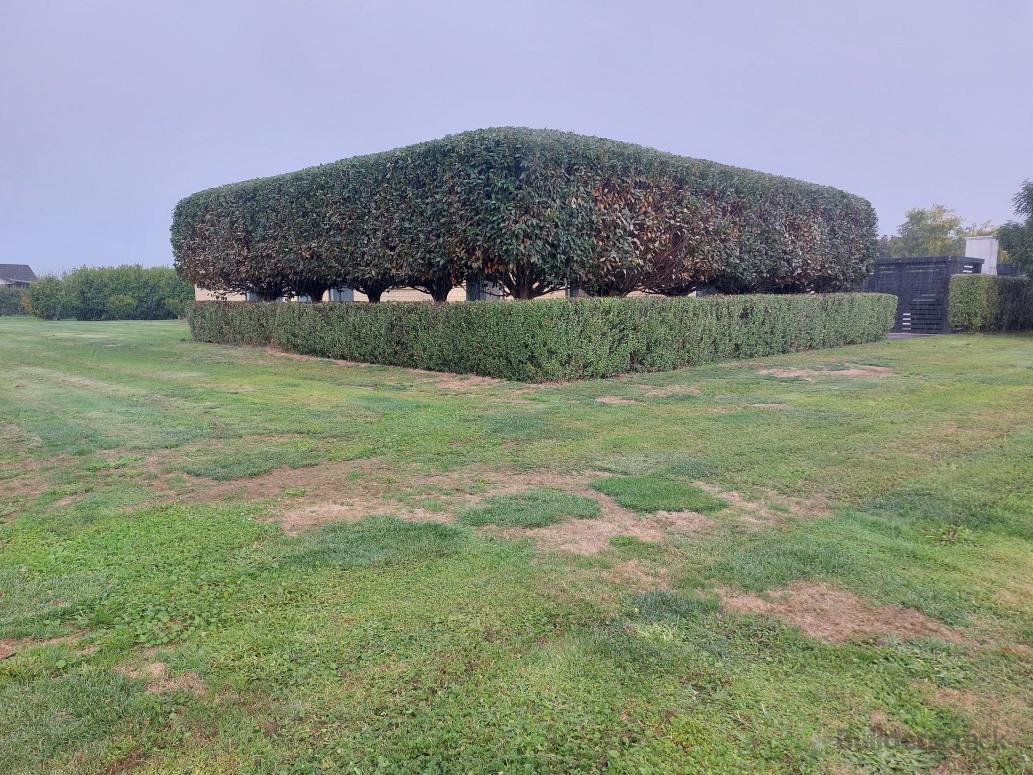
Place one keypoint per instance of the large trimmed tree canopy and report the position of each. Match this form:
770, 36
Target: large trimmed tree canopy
532, 210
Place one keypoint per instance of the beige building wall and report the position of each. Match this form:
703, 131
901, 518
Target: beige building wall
200, 294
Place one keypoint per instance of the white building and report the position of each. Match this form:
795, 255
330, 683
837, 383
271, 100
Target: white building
985, 248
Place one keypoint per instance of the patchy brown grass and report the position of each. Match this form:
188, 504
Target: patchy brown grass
615, 400
325, 480
462, 382
11, 646
822, 611
125, 763
589, 536
633, 575
990, 718
27, 480
298, 520
353, 499
445, 380
672, 390
771, 507
582, 536
810, 375
160, 682
1017, 590
375, 496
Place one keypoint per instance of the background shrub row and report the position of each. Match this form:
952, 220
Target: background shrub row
990, 304
111, 293
12, 301
552, 339
530, 210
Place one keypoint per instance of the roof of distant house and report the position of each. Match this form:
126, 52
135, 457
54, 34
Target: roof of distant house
17, 273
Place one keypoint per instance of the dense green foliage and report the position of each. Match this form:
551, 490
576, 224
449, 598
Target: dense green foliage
404, 642
12, 300
554, 339
531, 210
990, 304
127, 292
1017, 238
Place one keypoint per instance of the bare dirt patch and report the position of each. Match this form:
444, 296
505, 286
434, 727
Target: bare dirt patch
810, 375
772, 406
160, 682
616, 400
825, 612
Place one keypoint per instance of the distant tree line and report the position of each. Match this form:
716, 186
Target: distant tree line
931, 231
127, 292
940, 231
529, 210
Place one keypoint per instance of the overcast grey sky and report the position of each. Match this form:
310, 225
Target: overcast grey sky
113, 111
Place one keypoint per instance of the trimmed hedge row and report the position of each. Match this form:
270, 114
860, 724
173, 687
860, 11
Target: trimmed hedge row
12, 300
553, 339
531, 210
990, 303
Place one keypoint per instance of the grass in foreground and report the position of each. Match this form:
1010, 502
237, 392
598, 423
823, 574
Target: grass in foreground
160, 619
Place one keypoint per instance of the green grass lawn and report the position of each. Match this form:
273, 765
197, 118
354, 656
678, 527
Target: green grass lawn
218, 559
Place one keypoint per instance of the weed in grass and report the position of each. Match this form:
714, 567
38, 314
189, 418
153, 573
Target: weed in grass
530, 509
658, 493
